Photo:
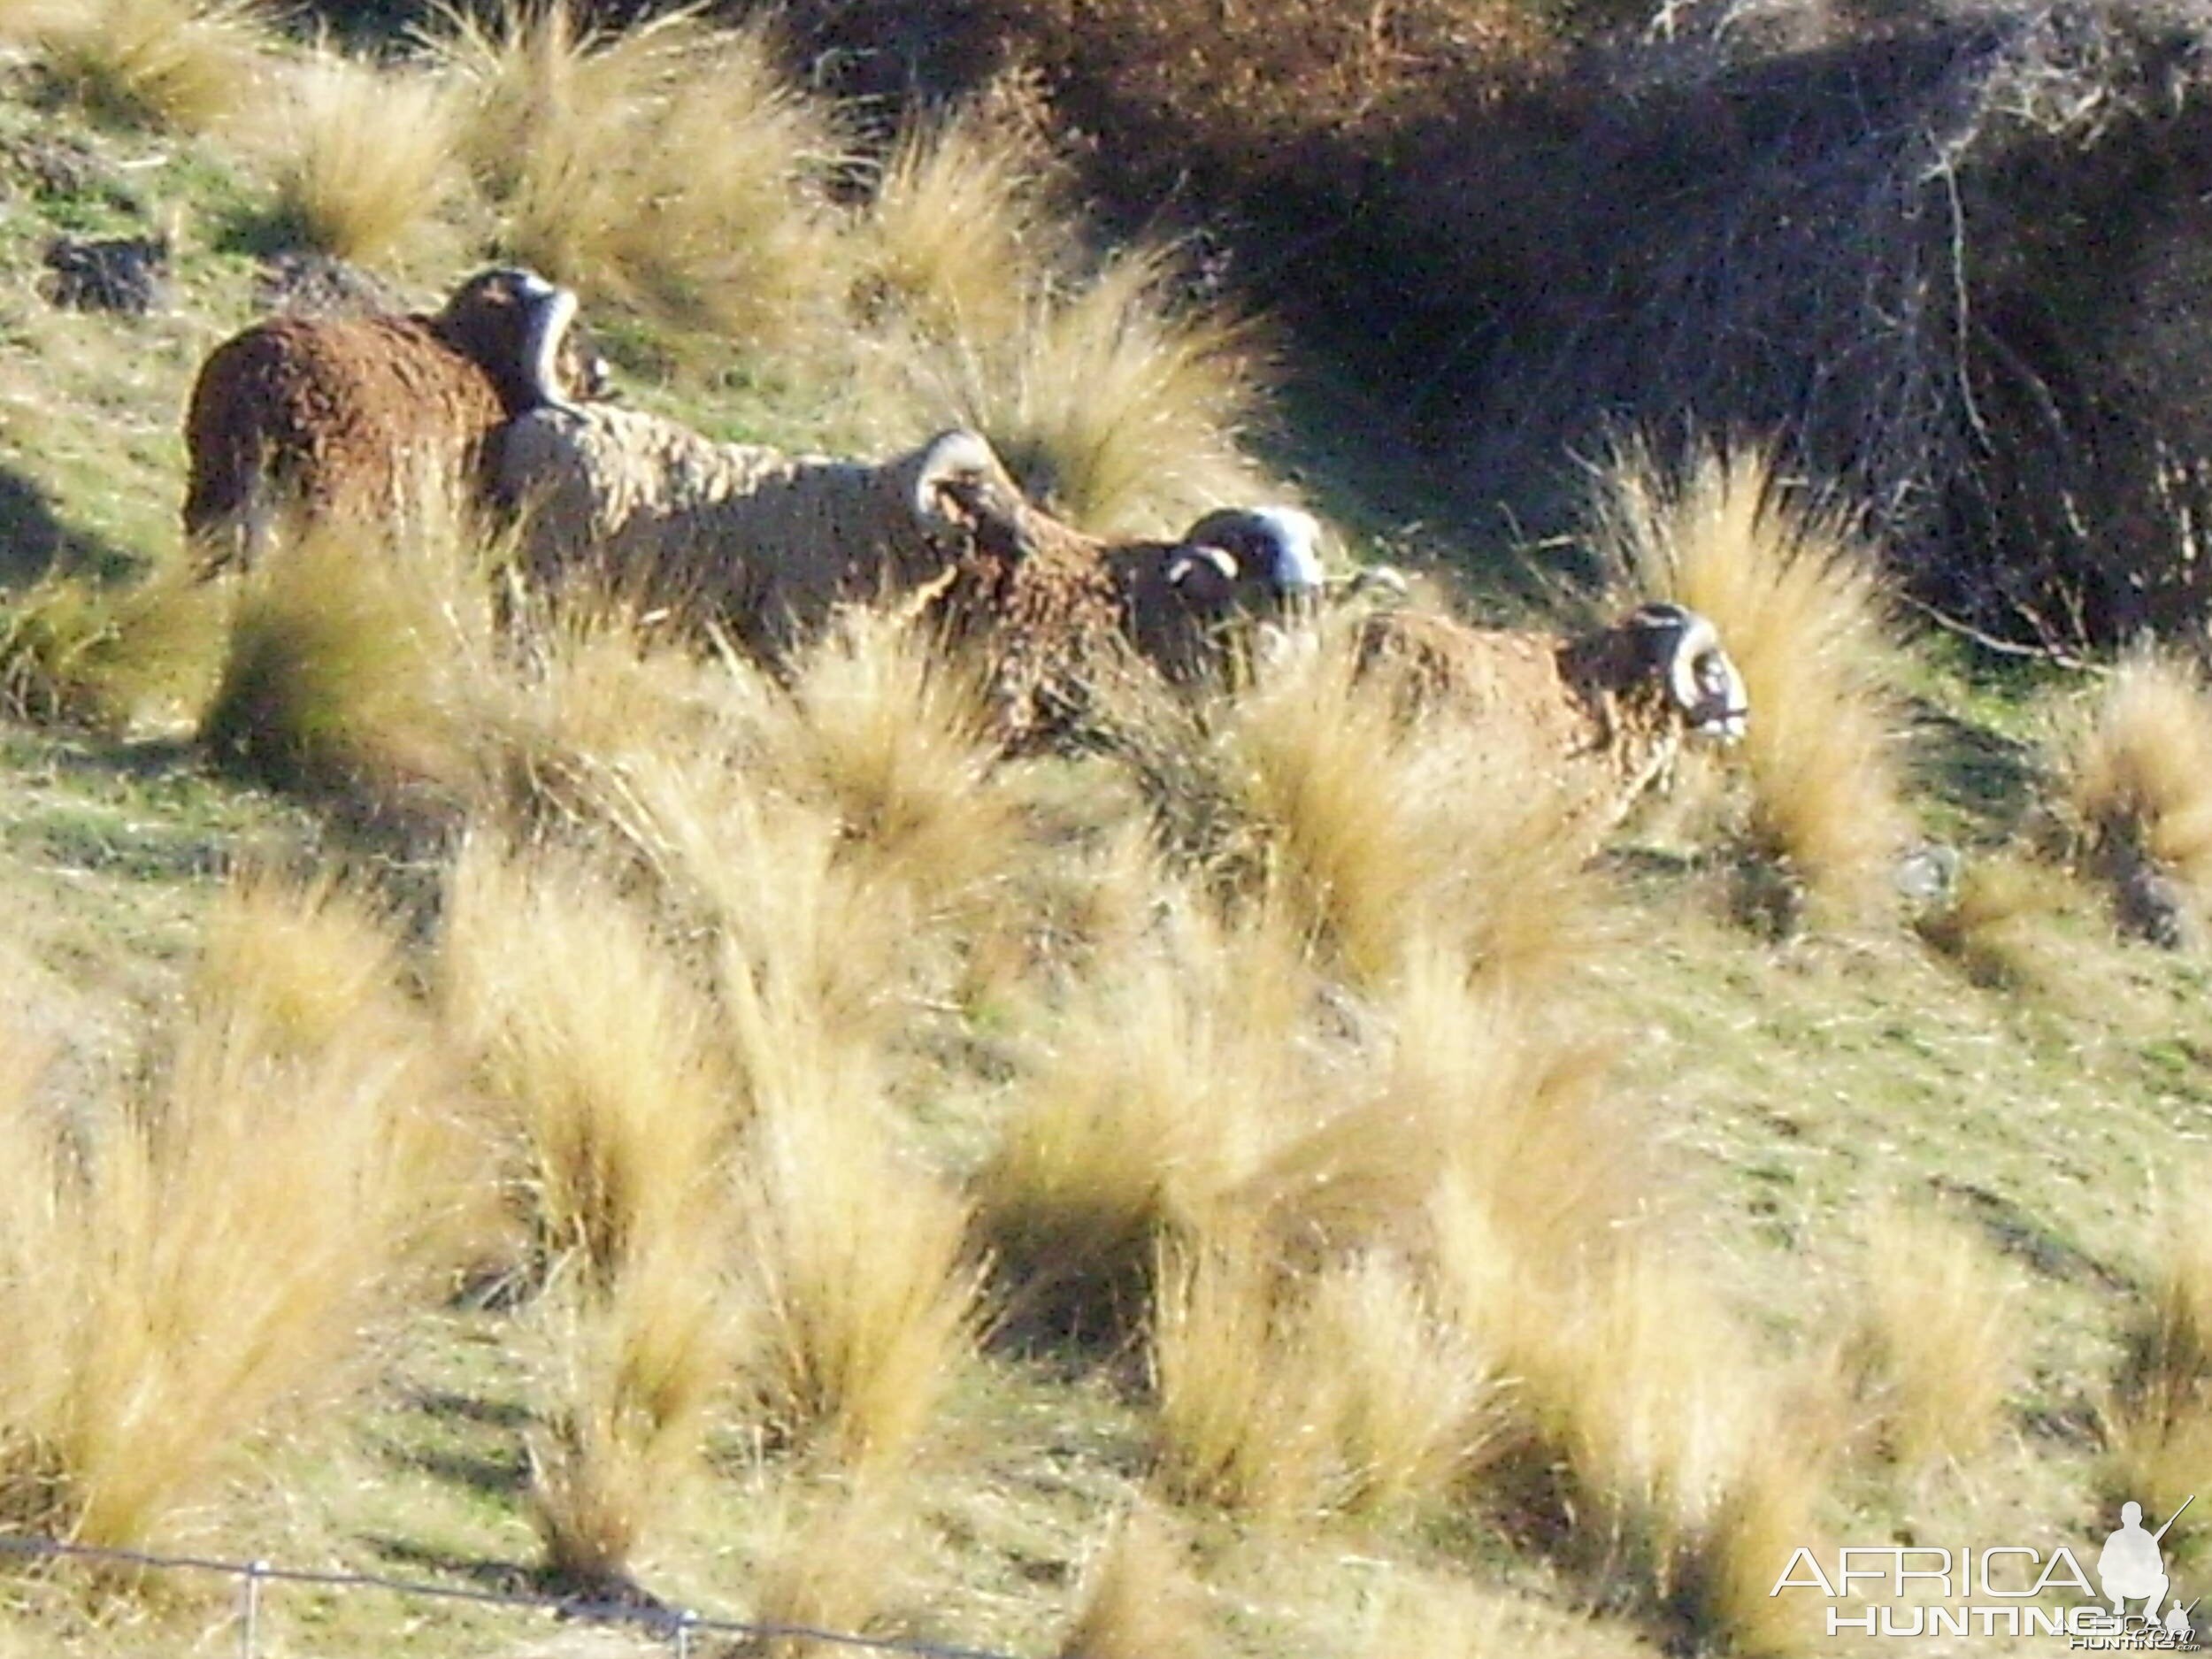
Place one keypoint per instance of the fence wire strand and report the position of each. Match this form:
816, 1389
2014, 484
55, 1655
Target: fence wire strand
679, 1624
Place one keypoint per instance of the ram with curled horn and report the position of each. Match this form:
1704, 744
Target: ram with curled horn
754, 539
358, 419
1605, 712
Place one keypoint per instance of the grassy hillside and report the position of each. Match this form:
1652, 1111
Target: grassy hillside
492, 1094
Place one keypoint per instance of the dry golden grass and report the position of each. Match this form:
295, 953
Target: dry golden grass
1119, 406
309, 962
595, 689
78, 652
587, 1022
1505, 1107
1382, 837
1162, 1085
364, 156
835, 1564
2158, 1421
959, 237
828, 832
2135, 775
812, 961
357, 663
1292, 1400
1798, 600
586, 1025
1693, 1471
1997, 925
1234, 1428
23, 19
187, 64
669, 165
889, 741
1138, 1600
637, 1359
868, 1297
1936, 1348
1430, 1616
185, 1266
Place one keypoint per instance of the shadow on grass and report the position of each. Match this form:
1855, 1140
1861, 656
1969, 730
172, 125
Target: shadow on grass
35, 541
1990, 779
2017, 1233
481, 1572
499, 1472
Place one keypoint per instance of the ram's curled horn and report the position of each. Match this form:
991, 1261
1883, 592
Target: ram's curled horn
1204, 573
1703, 682
1665, 630
1286, 539
552, 314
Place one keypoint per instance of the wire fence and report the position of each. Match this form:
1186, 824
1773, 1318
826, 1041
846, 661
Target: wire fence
680, 1626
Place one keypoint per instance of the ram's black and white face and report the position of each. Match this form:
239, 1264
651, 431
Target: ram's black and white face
1700, 677
1243, 554
524, 330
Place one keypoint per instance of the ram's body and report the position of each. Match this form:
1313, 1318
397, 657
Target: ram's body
765, 541
1602, 713
360, 417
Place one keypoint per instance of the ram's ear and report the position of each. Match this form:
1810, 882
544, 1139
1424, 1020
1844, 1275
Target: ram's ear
962, 489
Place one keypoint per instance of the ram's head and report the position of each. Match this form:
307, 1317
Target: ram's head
1684, 649
524, 330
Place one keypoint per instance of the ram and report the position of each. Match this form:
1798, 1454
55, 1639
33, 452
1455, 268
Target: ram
766, 542
1067, 612
1603, 712
353, 418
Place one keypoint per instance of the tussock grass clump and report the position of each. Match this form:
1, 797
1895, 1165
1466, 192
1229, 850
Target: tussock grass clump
586, 1020
1936, 1350
890, 742
594, 1031
1382, 836
357, 664
1799, 607
669, 165
596, 688
366, 154
1163, 1083
308, 961
1502, 1108
2158, 1423
184, 1266
958, 238
835, 1563
1344, 1394
639, 1357
77, 652
186, 64
868, 1296
1138, 1599
810, 958
1997, 925
2135, 778
1691, 1474
1120, 405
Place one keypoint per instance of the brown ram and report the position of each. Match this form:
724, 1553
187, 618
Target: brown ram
352, 418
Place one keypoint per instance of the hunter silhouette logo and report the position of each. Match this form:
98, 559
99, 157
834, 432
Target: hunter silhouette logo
1928, 1590
2131, 1567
